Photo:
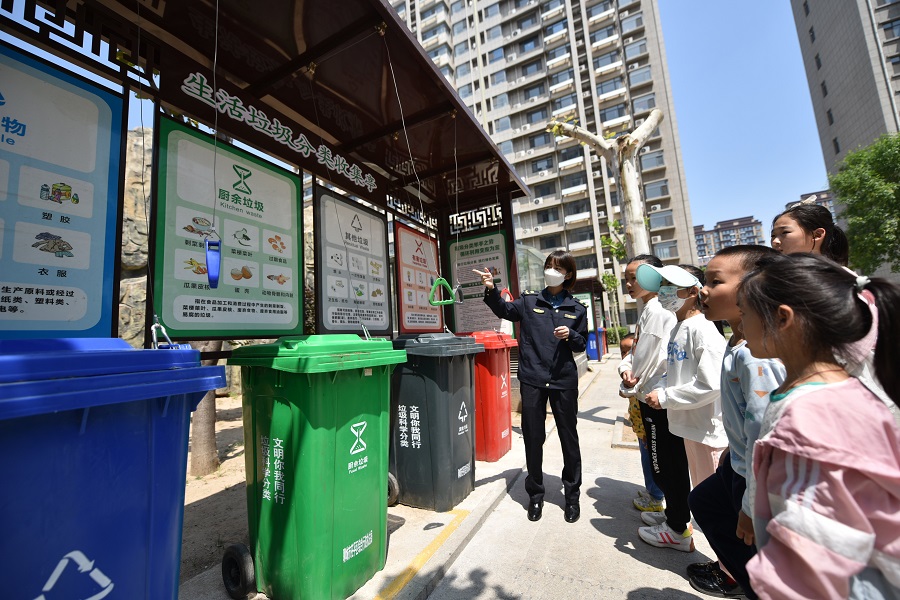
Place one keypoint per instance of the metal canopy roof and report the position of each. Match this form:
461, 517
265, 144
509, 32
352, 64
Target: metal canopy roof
328, 68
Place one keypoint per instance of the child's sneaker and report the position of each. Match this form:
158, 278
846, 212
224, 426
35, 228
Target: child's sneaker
651, 517
648, 503
643, 494
662, 536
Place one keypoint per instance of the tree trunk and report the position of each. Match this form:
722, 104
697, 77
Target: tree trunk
204, 453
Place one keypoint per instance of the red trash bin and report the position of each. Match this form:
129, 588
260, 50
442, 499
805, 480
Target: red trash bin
493, 427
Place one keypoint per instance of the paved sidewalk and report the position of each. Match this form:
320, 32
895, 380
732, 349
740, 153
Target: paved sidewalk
487, 548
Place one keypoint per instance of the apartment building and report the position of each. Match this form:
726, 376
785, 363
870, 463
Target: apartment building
851, 53
522, 63
823, 198
745, 230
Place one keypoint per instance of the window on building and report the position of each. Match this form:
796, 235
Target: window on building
495, 55
576, 208
895, 64
430, 12
544, 190
460, 49
457, 6
548, 215
606, 59
498, 77
506, 147
582, 234
656, 189
829, 116
557, 52
520, 3
570, 153
502, 124
613, 112
442, 50
551, 5
550, 241
836, 145
573, 180
532, 43
661, 218
666, 250
567, 75
532, 68
599, 9
446, 71
491, 11
493, 33
602, 34
635, 49
806, 8
434, 31
465, 91
555, 28
541, 139
818, 62
651, 160
632, 22
463, 69
588, 261
640, 75
644, 103
610, 85
541, 164
614, 197
812, 34
529, 21
536, 116
567, 101
501, 100
824, 89
892, 29
534, 91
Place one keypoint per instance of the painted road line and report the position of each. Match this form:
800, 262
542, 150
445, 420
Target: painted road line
399, 582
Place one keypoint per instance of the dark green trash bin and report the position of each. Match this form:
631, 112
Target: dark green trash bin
316, 427
433, 420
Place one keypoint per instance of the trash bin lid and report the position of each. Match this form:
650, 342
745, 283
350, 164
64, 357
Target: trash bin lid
493, 340
438, 344
319, 353
44, 359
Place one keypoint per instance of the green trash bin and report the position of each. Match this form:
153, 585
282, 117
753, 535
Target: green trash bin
316, 427
433, 420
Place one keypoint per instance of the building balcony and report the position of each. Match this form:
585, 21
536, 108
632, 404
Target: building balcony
553, 12
575, 189
617, 121
562, 85
572, 162
578, 217
605, 42
605, 15
584, 245
559, 61
587, 273
610, 95
616, 66
565, 109
549, 39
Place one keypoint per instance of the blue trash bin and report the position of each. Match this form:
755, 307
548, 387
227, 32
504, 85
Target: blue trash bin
592, 352
93, 448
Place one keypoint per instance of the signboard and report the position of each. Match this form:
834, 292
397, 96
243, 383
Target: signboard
485, 251
416, 271
587, 299
351, 266
60, 152
253, 208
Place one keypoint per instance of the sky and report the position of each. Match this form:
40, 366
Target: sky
749, 141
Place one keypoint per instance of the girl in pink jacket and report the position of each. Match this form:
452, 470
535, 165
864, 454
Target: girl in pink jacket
826, 466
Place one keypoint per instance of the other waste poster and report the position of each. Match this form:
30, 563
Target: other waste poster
217, 192
352, 282
60, 153
416, 255
485, 251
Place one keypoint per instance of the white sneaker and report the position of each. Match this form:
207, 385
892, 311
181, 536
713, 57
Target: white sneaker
651, 517
662, 536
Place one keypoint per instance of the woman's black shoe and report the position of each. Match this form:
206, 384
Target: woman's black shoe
716, 584
703, 568
534, 510
573, 511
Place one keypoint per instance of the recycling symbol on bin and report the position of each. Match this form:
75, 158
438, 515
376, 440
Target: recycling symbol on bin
84, 566
503, 384
463, 412
359, 445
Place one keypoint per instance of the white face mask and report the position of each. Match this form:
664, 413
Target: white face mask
553, 278
668, 298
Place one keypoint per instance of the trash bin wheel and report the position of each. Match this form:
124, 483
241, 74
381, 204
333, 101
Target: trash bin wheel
237, 571
393, 489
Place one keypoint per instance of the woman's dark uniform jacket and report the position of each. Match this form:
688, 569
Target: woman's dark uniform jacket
544, 361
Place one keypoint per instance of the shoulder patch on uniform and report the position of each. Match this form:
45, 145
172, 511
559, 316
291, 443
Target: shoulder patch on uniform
584, 303
539, 311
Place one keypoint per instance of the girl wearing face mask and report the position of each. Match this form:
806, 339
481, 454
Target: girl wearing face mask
553, 328
683, 414
808, 227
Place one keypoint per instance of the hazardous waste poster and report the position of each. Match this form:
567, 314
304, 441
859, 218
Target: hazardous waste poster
416, 272
216, 192
482, 252
352, 284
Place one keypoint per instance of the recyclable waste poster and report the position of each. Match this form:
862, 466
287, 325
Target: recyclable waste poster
416, 267
482, 252
220, 193
352, 280
60, 156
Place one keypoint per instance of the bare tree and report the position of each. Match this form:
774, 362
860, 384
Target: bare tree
204, 453
622, 151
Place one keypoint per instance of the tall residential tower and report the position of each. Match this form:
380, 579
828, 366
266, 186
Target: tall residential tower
521, 63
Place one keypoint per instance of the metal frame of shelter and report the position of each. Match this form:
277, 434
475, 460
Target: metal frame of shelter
347, 75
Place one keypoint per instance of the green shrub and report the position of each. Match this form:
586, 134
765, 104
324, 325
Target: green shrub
614, 334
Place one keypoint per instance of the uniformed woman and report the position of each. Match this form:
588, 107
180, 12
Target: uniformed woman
553, 327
